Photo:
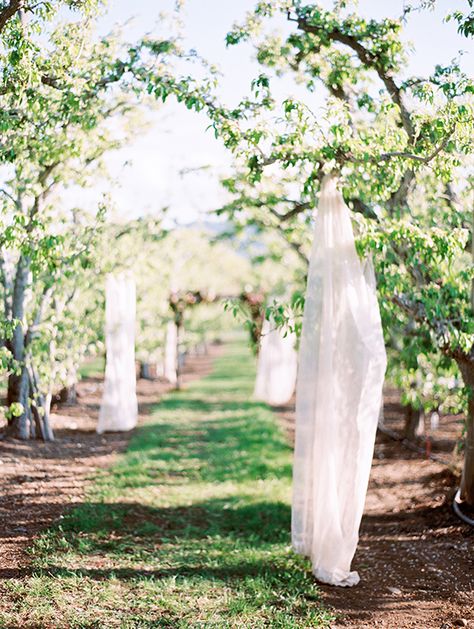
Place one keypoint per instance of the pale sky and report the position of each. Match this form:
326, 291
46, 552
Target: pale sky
177, 139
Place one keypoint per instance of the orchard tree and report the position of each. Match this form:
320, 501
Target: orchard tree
426, 378
59, 89
400, 145
70, 325
57, 134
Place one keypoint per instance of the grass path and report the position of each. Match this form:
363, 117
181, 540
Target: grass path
190, 528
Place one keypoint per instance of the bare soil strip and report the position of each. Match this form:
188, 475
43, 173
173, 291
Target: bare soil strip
415, 558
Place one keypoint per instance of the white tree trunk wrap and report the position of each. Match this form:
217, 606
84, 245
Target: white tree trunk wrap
342, 363
171, 353
119, 409
276, 366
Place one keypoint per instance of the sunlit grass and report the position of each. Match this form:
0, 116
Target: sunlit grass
93, 367
189, 529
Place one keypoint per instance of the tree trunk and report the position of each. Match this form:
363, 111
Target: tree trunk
466, 365
20, 425
48, 402
31, 419
145, 371
68, 395
467, 481
40, 409
179, 326
414, 422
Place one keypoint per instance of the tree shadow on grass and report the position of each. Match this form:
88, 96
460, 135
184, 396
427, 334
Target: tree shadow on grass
130, 531
235, 518
238, 571
231, 540
234, 543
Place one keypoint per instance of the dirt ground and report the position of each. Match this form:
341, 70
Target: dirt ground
415, 558
40, 481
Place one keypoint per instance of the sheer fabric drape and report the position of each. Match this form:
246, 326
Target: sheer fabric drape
171, 353
276, 366
119, 410
342, 363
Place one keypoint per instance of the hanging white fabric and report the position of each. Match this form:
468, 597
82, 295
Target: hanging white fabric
171, 353
342, 363
119, 409
276, 366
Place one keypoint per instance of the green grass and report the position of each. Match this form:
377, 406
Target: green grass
93, 367
190, 528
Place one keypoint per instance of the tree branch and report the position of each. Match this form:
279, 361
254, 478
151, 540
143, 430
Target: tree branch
362, 208
419, 158
281, 230
399, 197
298, 207
417, 312
12, 8
370, 60
7, 194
